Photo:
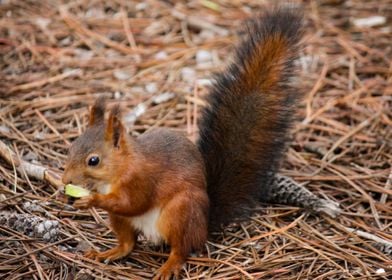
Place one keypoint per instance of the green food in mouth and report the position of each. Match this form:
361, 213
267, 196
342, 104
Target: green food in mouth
76, 191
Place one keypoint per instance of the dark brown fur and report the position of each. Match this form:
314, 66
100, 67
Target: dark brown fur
243, 130
242, 135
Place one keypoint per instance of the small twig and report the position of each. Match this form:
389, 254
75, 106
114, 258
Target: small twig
388, 186
45, 81
384, 245
200, 23
358, 128
315, 89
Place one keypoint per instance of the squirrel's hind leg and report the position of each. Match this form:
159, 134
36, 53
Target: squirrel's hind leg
126, 236
183, 224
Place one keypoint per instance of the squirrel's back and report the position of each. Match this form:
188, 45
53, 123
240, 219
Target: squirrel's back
244, 127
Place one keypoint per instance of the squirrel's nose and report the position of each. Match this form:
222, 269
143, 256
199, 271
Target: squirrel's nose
66, 179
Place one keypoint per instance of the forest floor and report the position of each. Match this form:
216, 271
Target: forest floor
157, 57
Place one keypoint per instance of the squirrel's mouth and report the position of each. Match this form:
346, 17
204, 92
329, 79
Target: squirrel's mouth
90, 186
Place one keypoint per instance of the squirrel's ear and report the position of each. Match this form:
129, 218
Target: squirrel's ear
97, 112
115, 131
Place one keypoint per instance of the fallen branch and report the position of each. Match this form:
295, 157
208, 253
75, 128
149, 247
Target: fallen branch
31, 170
381, 244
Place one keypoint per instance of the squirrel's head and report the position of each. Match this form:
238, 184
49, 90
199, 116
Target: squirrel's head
94, 156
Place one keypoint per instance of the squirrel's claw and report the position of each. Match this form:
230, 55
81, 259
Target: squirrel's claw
84, 202
167, 271
91, 254
109, 255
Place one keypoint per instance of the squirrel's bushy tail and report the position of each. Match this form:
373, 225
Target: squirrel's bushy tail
243, 129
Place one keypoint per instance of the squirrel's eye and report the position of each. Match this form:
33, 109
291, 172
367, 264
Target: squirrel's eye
93, 161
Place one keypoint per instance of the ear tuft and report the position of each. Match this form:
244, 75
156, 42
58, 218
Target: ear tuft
116, 111
97, 112
115, 131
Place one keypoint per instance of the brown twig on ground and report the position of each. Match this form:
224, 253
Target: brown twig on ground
34, 171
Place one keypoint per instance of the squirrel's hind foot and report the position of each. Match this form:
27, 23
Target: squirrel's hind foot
110, 255
171, 267
167, 271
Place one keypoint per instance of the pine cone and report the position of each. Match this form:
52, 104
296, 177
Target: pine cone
31, 225
285, 190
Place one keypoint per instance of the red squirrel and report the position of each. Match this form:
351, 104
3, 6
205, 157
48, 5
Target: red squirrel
173, 191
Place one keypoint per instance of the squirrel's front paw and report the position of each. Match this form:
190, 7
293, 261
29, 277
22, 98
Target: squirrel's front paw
84, 202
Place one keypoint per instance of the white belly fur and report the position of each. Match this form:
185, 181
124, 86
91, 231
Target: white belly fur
147, 223
104, 189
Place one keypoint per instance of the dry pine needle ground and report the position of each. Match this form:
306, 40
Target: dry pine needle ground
56, 58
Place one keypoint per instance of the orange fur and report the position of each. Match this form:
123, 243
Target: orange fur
159, 170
